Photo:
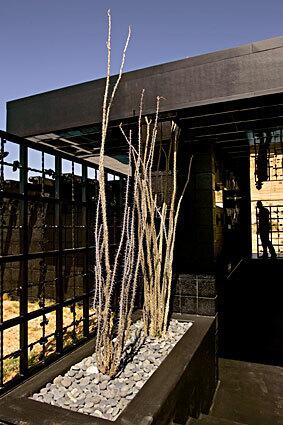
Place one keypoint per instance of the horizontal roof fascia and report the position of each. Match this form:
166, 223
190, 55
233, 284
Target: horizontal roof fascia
242, 72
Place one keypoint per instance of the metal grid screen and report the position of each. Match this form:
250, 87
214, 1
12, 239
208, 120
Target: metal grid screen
276, 229
47, 216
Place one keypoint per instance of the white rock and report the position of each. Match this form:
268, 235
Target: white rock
97, 413
139, 384
90, 370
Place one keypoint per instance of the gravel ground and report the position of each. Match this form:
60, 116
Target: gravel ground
83, 389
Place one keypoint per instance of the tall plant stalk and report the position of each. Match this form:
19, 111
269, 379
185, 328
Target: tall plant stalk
147, 239
159, 225
113, 327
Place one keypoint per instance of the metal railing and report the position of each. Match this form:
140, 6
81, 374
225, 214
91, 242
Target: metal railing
275, 229
47, 214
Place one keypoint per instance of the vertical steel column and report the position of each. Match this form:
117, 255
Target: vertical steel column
24, 244
73, 267
2, 264
86, 271
59, 262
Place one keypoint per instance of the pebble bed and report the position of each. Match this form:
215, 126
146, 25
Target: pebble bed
83, 389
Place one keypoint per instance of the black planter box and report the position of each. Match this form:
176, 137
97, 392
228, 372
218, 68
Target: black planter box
183, 386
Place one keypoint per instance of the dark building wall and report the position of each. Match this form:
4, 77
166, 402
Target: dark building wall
195, 242
250, 70
200, 236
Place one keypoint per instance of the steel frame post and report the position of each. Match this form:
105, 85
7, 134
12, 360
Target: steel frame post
59, 262
23, 283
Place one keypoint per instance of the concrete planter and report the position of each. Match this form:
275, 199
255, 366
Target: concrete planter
182, 386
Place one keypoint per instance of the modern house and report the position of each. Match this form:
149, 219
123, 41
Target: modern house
228, 106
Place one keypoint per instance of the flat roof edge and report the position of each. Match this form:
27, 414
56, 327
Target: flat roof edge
245, 49
205, 102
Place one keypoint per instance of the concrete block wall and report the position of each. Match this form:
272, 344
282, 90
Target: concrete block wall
195, 294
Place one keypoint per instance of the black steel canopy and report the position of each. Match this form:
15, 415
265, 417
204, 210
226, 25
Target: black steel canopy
226, 124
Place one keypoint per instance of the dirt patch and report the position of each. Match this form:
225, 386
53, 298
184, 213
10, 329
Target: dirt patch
41, 332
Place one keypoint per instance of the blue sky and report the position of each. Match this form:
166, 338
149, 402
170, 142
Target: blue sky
47, 44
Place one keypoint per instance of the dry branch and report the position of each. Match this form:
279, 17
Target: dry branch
113, 326
160, 224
